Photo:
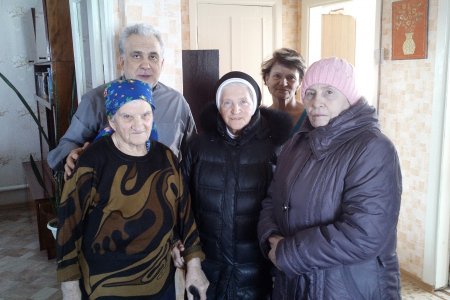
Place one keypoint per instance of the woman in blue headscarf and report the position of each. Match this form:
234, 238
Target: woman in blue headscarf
122, 207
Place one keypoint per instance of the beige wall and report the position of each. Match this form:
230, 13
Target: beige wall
291, 24
185, 25
406, 88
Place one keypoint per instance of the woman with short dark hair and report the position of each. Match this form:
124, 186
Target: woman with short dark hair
282, 74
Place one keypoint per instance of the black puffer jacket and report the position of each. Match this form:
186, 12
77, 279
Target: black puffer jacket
228, 180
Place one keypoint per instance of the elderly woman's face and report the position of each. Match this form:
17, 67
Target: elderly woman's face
282, 82
324, 102
132, 123
236, 106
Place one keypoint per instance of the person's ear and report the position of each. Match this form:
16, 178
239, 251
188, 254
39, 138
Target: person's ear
111, 123
121, 62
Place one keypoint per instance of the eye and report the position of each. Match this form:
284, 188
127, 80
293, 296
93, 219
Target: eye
330, 92
147, 115
244, 102
291, 78
126, 117
309, 94
276, 76
226, 103
136, 55
154, 57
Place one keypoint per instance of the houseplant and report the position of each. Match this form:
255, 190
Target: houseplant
53, 196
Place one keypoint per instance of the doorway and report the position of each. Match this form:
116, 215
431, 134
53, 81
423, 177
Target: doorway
244, 32
367, 17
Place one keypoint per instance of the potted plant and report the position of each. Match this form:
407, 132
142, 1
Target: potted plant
57, 179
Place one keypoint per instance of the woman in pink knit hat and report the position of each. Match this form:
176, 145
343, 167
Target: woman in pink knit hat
329, 221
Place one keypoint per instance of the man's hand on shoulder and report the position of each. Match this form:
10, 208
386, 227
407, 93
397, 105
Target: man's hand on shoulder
72, 159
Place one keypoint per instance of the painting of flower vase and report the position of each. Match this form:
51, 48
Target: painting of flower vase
409, 29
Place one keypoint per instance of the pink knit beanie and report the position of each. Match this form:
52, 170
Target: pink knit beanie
333, 71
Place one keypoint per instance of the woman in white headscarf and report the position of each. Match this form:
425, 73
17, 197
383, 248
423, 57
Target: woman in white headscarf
228, 169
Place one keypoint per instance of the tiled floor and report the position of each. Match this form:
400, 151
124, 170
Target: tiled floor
26, 273
413, 292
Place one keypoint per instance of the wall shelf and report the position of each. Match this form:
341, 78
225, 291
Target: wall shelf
44, 102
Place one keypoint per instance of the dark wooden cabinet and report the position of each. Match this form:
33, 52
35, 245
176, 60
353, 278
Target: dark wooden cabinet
55, 101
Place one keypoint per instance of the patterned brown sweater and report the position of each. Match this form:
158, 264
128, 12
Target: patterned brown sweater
118, 217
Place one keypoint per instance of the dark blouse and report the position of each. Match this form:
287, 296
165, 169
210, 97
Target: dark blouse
118, 217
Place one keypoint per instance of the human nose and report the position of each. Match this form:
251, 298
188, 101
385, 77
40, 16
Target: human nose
137, 122
282, 81
317, 101
235, 108
146, 63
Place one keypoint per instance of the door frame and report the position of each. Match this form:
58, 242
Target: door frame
437, 224
277, 10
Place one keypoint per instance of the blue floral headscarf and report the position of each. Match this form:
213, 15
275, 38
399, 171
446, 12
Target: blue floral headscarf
120, 92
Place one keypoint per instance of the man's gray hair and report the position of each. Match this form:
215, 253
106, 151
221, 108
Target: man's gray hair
139, 29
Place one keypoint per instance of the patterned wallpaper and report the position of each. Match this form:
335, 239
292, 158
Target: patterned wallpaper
405, 113
18, 132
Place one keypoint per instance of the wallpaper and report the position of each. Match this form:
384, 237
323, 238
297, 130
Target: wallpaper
18, 132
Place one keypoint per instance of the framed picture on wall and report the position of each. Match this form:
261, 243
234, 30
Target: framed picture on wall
409, 29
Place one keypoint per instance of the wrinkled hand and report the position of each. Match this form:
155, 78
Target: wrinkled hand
72, 159
273, 242
195, 277
71, 290
178, 260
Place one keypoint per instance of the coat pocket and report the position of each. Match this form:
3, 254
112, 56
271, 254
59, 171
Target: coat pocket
362, 280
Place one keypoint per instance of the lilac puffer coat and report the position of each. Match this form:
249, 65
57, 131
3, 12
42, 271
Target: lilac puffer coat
335, 198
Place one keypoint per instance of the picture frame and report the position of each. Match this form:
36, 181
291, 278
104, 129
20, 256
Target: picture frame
409, 29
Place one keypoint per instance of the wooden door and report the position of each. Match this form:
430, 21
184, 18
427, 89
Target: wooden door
339, 36
243, 34
200, 74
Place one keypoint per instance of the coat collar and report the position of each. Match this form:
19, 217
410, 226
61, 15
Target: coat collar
350, 123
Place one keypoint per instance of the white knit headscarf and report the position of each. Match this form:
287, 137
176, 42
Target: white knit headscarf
237, 80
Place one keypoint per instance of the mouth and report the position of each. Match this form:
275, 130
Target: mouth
139, 132
317, 115
146, 76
